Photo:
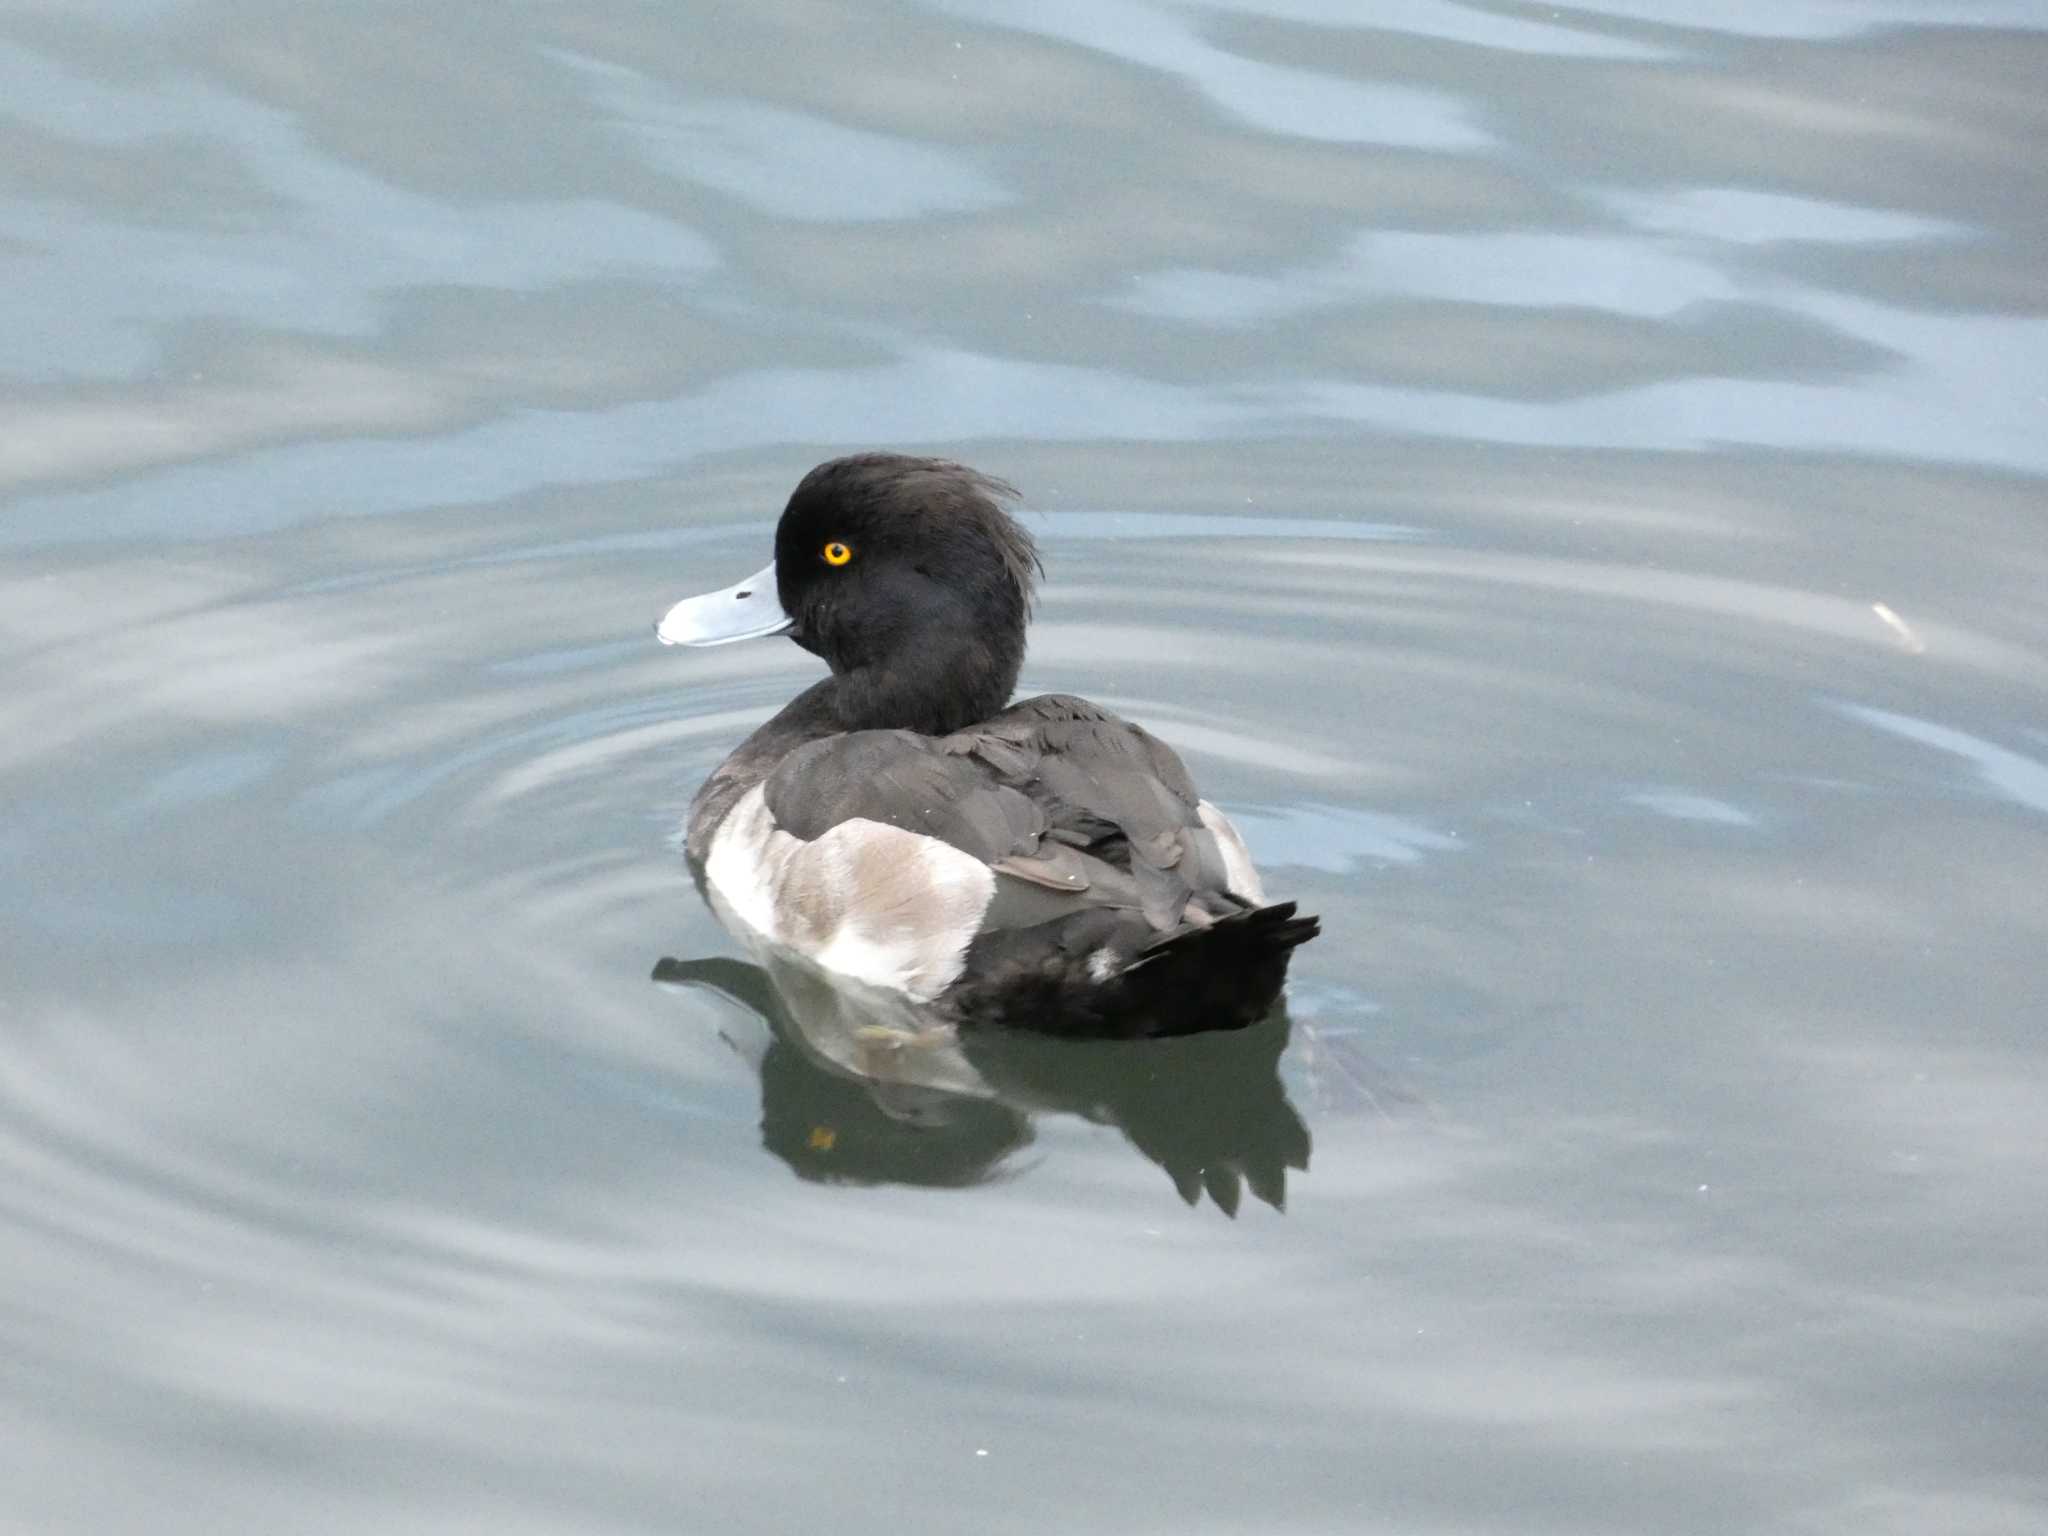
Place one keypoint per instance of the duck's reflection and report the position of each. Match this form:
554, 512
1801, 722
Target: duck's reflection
860, 1087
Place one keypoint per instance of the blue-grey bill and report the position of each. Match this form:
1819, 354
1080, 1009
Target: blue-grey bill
742, 612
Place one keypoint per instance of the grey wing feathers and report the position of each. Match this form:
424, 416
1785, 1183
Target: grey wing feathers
895, 777
1080, 809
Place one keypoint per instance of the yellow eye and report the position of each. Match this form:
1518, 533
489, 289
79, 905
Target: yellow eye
837, 553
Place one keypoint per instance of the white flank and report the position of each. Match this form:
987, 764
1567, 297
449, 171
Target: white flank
892, 908
1239, 877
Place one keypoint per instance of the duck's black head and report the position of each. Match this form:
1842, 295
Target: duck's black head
906, 575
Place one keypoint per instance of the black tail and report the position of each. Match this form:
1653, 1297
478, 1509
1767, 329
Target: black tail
1104, 975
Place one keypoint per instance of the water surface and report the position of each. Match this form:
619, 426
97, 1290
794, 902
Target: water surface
1570, 480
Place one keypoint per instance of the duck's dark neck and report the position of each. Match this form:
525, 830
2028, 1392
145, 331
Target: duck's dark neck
939, 684
934, 684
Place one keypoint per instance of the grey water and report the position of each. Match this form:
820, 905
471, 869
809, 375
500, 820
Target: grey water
1568, 478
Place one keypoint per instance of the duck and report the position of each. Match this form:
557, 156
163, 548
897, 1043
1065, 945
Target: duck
903, 826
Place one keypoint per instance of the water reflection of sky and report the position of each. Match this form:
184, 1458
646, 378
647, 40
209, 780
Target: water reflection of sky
1968, 399
1728, 333
1475, 436
1296, 102
788, 164
2010, 775
1336, 838
1686, 805
312, 243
